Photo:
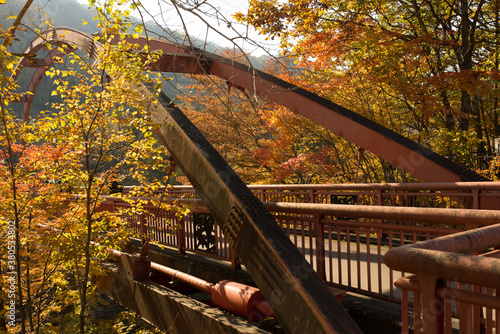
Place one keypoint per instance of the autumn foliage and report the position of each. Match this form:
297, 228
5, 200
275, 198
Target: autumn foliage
428, 70
54, 169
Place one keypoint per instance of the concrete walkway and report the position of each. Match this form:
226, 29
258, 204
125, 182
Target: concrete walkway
361, 268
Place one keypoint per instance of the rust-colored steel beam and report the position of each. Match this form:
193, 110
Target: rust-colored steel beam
295, 292
34, 63
414, 158
298, 296
57, 36
398, 150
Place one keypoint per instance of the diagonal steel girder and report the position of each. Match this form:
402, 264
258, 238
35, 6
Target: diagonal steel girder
295, 292
298, 296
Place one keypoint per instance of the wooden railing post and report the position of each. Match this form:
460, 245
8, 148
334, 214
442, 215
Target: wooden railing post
320, 246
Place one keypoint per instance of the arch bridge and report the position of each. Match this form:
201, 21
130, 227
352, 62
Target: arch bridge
301, 300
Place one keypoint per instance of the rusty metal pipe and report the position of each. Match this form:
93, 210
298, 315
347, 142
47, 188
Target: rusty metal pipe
412, 284
433, 186
194, 281
432, 215
469, 297
240, 299
443, 257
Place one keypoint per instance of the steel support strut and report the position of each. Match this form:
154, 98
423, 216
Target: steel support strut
299, 298
294, 291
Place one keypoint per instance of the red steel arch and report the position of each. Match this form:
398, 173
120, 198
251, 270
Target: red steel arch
398, 150
298, 296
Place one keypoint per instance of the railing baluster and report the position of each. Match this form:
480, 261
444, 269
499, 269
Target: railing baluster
488, 314
448, 315
358, 258
181, 237
391, 272
379, 259
368, 260
417, 314
330, 253
348, 238
339, 254
405, 325
497, 313
320, 247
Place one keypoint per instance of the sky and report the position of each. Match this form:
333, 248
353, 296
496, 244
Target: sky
197, 28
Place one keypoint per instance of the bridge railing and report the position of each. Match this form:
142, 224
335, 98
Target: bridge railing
464, 286
467, 195
346, 248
